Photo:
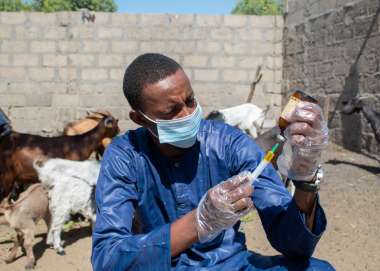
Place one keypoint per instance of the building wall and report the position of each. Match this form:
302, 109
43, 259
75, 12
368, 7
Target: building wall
328, 48
54, 67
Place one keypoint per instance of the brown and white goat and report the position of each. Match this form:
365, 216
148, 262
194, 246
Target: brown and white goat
23, 216
18, 152
84, 125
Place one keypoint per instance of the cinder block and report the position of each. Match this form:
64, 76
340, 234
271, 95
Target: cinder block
38, 100
69, 46
55, 33
181, 47
210, 47
10, 73
81, 60
276, 100
32, 113
63, 100
4, 59
223, 61
139, 33
68, 74
25, 60
110, 60
13, 17
268, 76
102, 18
12, 100
5, 31
222, 34
274, 63
109, 33
95, 46
54, 60
209, 20
181, 20
122, 19
206, 75
235, 20
41, 74
43, 18
124, 46
250, 62
94, 74
235, 76
94, 101
42, 47
241, 48
195, 61
154, 19
13, 46
83, 31
154, 46
117, 74
261, 21
29, 32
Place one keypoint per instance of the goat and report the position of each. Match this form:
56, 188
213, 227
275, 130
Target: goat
247, 117
358, 104
23, 216
71, 186
18, 151
84, 125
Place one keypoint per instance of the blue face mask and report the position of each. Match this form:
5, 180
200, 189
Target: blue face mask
182, 132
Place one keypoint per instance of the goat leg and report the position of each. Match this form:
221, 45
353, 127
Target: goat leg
28, 245
13, 251
49, 237
59, 217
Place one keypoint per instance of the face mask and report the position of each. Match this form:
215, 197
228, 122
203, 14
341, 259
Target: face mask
182, 132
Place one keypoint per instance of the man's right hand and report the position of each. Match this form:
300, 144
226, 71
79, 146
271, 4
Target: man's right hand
223, 205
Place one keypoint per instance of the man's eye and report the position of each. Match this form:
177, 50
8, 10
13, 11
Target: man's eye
190, 101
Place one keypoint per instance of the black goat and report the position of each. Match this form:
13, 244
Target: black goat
359, 104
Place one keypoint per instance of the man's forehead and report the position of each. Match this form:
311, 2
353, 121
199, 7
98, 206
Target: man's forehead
174, 84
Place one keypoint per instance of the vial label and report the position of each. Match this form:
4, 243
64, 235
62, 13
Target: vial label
289, 108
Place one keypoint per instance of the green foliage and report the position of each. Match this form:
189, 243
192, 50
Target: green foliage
58, 5
13, 5
258, 7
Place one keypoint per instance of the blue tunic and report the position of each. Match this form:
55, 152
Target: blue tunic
134, 177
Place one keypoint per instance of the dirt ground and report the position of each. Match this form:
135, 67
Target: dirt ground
350, 196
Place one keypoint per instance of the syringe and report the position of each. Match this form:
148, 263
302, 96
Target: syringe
260, 168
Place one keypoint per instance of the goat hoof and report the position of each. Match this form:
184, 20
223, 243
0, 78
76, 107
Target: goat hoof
29, 266
62, 252
9, 259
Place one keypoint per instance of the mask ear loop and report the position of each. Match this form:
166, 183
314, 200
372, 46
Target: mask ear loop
153, 121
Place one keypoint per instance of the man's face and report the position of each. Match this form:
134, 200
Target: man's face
170, 98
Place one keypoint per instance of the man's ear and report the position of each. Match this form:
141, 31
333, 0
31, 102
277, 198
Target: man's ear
136, 118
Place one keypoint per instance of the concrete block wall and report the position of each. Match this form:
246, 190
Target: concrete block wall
54, 67
322, 43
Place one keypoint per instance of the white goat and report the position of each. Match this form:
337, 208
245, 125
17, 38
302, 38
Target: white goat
71, 186
247, 117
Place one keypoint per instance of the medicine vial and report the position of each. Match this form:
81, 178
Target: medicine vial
297, 96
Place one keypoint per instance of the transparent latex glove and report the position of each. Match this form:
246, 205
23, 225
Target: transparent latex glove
307, 136
223, 205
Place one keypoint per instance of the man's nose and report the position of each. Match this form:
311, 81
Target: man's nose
186, 111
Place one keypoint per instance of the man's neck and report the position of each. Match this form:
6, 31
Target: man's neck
167, 150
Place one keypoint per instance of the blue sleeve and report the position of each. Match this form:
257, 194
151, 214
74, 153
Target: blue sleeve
284, 224
115, 247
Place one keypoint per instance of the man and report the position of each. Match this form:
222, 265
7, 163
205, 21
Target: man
185, 178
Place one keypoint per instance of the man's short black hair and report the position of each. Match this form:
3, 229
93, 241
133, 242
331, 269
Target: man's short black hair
146, 69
